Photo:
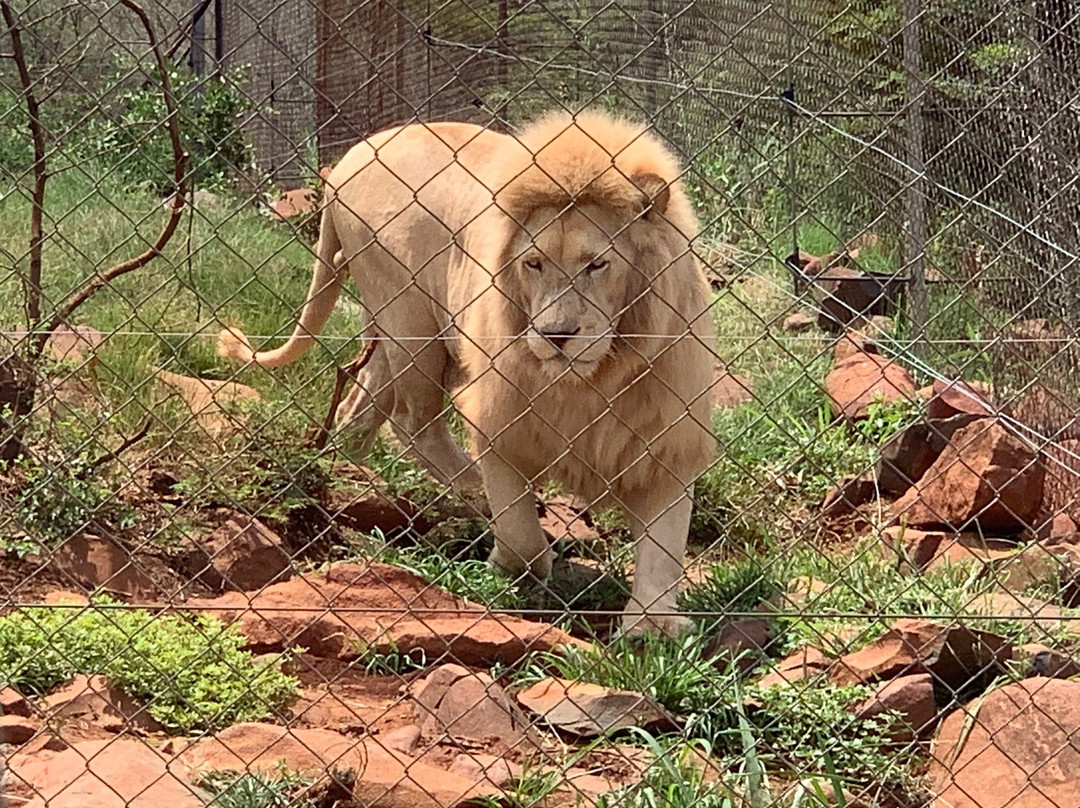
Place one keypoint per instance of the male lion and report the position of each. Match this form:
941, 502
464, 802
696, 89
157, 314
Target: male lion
547, 279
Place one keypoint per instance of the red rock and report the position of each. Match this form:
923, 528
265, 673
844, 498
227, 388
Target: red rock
114, 773
369, 510
64, 596
242, 554
805, 663
954, 654
562, 518
403, 739
351, 608
910, 453
913, 549
586, 709
462, 704
856, 382
1059, 525
16, 729
388, 779
911, 698
744, 640
986, 477
798, 322
494, 771
848, 495
731, 390
216, 405
1061, 486
258, 747
99, 703
1013, 747
102, 563
958, 397
12, 702
1043, 661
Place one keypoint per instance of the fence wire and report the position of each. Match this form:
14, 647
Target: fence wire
668, 403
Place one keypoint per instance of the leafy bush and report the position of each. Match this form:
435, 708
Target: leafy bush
190, 673
135, 143
54, 504
811, 729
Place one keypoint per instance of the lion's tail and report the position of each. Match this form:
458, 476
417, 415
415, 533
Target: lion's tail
322, 296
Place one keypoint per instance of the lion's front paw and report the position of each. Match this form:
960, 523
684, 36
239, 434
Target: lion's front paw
636, 623
515, 565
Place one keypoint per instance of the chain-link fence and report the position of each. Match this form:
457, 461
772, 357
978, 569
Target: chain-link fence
679, 410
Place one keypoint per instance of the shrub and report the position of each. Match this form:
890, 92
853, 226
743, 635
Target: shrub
135, 143
190, 673
55, 504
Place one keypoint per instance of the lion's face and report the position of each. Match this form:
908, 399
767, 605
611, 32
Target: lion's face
575, 282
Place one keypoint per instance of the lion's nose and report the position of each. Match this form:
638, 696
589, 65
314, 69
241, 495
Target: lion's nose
559, 336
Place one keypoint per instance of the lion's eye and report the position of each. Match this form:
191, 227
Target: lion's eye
533, 264
597, 265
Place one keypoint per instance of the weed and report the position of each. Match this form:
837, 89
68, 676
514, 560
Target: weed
733, 586
471, 579
674, 673
257, 790
812, 730
190, 674
867, 583
529, 790
390, 663
674, 779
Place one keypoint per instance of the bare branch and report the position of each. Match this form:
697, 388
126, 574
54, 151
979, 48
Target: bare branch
32, 281
102, 279
108, 457
343, 376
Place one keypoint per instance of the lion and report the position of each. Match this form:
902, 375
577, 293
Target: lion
548, 281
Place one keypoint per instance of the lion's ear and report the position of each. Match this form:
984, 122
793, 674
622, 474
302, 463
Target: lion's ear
657, 193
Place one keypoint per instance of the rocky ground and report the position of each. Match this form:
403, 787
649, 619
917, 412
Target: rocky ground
406, 694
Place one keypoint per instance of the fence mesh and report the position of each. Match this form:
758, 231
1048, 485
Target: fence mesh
713, 442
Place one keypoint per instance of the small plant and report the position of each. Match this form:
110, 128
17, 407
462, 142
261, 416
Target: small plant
886, 418
811, 729
471, 579
257, 790
190, 673
675, 779
529, 790
390, 663
673, 672
738, 586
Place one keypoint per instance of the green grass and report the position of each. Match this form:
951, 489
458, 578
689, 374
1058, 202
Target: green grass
865, 593
257, 790
674, 673
801, 730
737, 585
191, 674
